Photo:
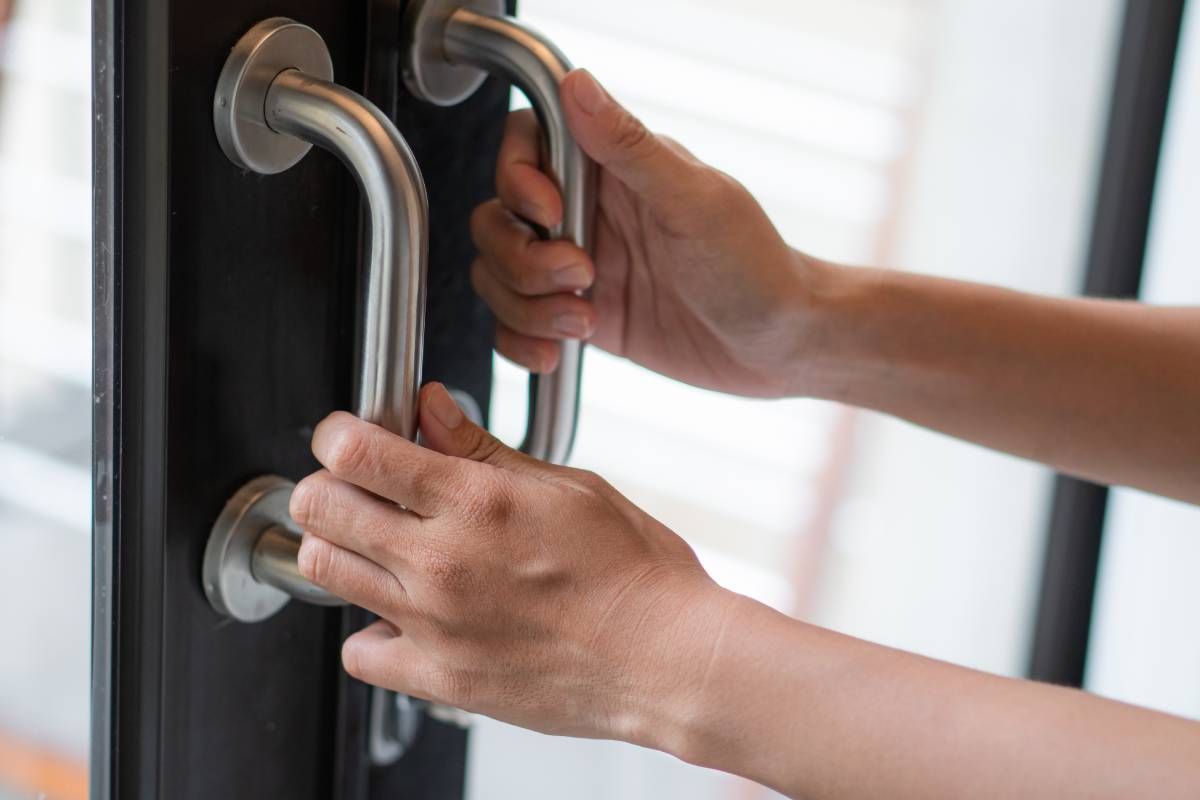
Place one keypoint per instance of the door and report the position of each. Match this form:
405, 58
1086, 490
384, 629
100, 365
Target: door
226, 307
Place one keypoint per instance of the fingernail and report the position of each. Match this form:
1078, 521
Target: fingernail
575, 276
444, 409
572, 325
589, 94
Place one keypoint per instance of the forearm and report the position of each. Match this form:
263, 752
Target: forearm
1105, 390
814, 714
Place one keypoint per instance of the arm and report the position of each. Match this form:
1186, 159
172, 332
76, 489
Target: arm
815, 714
540, 596
1106, 390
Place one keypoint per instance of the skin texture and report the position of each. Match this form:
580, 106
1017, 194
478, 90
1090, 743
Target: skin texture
538, 595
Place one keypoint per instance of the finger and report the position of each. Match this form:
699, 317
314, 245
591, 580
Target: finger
379, 654
520, 181
353, 518
536, 355
622, 145
555, 316
385, 464
382, 655
447, 430
355, 579
521, 260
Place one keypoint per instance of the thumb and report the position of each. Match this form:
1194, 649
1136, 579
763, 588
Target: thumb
619, 142
447, 430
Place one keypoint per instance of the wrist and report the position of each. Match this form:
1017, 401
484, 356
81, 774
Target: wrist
669, 708
690, 709
831, 313
734, 704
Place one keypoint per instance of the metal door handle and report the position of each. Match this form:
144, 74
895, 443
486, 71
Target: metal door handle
450, 47
274, 101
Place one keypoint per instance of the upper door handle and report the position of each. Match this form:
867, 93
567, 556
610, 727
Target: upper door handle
274, 101
450, 47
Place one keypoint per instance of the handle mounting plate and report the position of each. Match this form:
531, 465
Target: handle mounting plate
228, 578
428, 72
239, 105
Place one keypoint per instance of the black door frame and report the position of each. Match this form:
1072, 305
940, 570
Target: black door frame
1121, 221
152, 85
129, 376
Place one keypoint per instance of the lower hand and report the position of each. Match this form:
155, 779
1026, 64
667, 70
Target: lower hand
531, 593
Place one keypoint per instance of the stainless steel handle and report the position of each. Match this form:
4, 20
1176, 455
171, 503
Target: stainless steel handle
451, 46
274, 101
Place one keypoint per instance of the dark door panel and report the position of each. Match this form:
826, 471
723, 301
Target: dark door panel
226, 317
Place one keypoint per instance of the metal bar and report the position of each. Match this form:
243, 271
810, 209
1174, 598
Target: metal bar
504, 46
1120, 227
353, 129
268, 110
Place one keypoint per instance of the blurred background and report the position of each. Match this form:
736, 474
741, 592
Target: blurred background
959, 138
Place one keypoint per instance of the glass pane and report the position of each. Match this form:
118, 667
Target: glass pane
45, 405
953, 138
1144, 646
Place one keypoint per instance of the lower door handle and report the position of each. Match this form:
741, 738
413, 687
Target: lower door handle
274, 101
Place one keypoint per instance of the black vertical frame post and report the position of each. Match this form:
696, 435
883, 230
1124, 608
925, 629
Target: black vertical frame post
129, 373
1137, 116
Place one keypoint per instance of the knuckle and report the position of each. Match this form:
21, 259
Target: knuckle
315, 561
494, 506
350, 453
307, 500
591, 481
446, 572
300, 505
720, 188
525, 280
631, 135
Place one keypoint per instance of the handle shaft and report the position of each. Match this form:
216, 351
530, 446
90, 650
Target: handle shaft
353, 129
505, 46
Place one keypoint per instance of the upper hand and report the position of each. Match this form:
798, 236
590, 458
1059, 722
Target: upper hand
532, 593
690, 278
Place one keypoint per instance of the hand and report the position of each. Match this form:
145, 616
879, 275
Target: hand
690, 278
531, 593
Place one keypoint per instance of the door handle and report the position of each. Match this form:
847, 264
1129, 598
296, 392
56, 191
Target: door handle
450, 48
274, 100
